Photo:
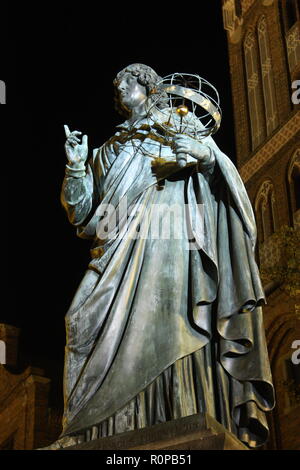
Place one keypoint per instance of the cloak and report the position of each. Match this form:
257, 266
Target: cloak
146, 303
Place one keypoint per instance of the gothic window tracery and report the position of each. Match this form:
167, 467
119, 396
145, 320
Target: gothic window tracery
254, 89
265, 211
267, 76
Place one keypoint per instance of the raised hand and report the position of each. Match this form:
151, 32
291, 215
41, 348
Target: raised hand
76, 152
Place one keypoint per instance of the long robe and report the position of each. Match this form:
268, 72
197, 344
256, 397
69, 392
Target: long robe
161, 328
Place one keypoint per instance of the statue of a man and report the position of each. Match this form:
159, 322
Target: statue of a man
157, 330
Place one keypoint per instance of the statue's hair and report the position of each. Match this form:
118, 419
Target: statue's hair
146, 76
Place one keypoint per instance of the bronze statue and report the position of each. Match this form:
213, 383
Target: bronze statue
162, 328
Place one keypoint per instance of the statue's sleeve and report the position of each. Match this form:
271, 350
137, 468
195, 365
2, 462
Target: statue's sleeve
79, 195
207, 167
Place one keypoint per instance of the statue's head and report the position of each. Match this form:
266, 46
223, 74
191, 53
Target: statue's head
134, 84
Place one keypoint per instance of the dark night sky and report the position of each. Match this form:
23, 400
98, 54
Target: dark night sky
61, 72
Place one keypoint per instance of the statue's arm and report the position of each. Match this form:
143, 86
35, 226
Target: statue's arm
77, 188
77, 195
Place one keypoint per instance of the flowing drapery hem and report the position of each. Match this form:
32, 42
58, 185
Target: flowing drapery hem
182, 390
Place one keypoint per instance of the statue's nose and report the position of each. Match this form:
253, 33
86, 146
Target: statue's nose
122, 86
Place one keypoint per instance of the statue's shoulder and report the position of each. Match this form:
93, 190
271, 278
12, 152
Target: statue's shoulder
95, 156
95, 151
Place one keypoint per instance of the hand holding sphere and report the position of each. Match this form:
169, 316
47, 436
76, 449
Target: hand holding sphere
192, 112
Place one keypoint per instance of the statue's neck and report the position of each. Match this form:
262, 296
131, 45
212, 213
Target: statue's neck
138, 113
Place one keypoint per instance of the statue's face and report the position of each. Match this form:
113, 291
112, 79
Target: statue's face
132, 94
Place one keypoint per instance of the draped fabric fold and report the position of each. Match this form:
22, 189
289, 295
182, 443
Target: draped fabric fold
160, 324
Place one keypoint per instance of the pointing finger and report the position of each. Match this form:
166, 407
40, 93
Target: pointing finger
67, 130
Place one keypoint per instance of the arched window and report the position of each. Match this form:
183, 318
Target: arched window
254, 89
290, 382
267, 76
290, 13
294, 183
265, 211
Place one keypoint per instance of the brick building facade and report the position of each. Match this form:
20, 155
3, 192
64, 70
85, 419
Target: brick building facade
28, 419
264, 54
